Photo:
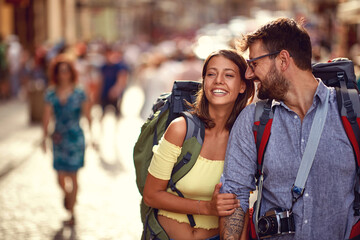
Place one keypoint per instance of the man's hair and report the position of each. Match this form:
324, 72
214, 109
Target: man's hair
283, 33
201, 105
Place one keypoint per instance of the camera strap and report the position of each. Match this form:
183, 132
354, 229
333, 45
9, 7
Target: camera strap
306, 161
311, 146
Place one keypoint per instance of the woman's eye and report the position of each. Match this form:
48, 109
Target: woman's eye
210, 74
229, 75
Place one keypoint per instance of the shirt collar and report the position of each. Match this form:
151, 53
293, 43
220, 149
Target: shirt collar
321, 91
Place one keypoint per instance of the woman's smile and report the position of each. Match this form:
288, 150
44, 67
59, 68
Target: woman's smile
219, 92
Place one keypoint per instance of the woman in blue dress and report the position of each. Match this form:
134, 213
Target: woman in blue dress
66, 103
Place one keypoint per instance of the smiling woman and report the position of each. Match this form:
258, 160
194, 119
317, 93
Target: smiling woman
224, 93
221, 82
234, 65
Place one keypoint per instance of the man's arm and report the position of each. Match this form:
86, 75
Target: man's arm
232, 226
238, 176
120, 84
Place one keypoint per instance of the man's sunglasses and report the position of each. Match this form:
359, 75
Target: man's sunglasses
250, 62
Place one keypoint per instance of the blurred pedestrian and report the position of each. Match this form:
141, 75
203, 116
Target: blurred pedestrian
66, 102
4, 89
156, 78
14, 52
114, 80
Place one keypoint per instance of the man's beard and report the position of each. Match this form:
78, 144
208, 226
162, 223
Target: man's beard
274, 86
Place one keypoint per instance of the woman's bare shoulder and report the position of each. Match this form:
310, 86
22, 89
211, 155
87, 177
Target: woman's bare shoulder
176, 131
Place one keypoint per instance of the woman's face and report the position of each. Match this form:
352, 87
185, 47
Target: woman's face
64, 73
222, 82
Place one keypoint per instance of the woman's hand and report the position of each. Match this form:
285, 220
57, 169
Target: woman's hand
223, 204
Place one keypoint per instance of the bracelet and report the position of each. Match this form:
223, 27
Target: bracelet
198, 207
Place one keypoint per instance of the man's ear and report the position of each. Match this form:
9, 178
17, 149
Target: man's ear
284, 57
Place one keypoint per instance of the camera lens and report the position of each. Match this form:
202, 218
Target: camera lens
263, 225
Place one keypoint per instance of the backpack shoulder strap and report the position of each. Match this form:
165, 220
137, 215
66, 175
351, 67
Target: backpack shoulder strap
262, 129
195, 127
195, 133
190, 151
349, 108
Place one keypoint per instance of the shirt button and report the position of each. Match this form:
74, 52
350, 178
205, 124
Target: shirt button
302, 140
306, 221
306, 194
295, 117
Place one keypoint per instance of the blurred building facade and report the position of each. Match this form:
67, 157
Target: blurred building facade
39, 21
36, 21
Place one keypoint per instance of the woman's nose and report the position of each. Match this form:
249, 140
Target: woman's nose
219, 79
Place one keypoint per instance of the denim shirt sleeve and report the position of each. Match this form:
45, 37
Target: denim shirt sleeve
240, 159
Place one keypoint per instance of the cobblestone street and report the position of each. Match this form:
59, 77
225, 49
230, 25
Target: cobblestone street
31, 203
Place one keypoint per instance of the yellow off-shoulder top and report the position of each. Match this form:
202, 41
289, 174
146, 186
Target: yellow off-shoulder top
198, 184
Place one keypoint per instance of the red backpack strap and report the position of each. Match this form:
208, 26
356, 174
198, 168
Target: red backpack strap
251, 227
349, 108
262, 128
355, 231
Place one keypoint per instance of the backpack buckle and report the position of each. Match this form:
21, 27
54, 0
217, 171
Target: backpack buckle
350, 111
347, 103
356, 209
297, 190
264, 118
340, 75
187, 157
267, 108
257, 175
296, 193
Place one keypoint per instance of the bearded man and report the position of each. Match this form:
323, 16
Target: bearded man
280, 61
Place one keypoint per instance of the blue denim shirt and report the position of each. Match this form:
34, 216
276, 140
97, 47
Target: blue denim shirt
325, 211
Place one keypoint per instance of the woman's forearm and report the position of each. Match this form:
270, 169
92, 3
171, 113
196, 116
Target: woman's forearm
172, 203
46, 119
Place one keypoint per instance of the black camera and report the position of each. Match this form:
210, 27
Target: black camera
276, 222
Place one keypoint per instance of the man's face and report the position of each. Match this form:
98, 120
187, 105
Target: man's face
273, 86
263, 69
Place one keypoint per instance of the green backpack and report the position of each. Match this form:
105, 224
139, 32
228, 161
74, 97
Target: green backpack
168, 107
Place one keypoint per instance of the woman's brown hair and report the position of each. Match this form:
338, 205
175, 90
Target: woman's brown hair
201, 105
55, 67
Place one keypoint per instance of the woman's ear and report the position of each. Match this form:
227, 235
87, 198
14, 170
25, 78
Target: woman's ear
242, 87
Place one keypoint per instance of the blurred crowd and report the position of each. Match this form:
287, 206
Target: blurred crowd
153, 67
